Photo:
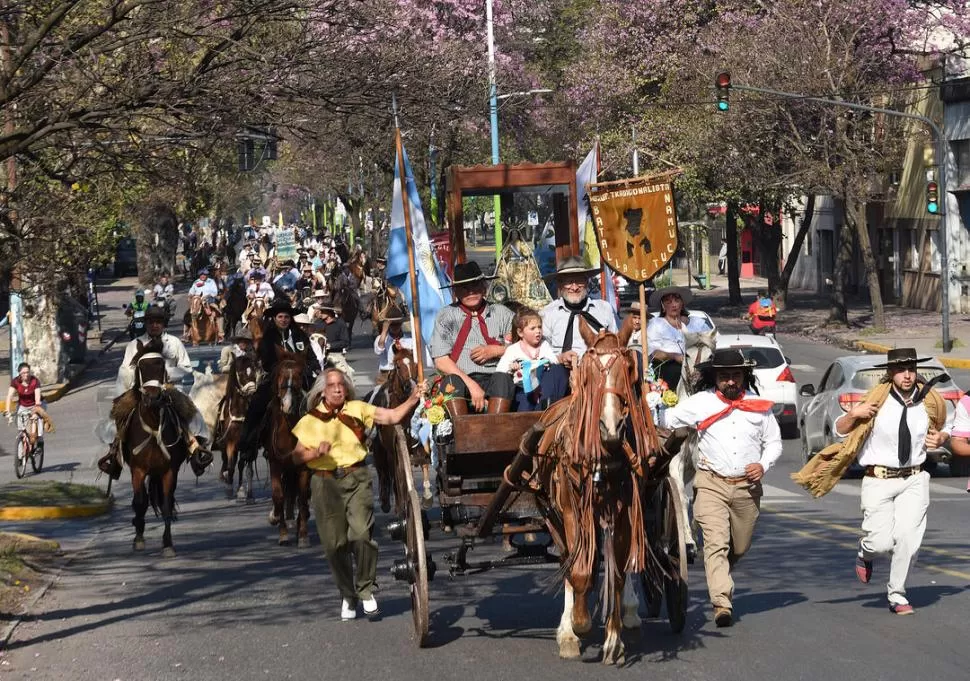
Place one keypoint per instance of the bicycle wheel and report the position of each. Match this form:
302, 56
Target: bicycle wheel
37, 458
20, 463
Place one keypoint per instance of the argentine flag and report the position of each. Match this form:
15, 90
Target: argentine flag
431, 278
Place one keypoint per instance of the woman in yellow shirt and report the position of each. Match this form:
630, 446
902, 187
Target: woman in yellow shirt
330, 441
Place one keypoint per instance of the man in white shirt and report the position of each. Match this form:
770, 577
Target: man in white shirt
895, 490
390, 339
560, 324
177, 365
739, 440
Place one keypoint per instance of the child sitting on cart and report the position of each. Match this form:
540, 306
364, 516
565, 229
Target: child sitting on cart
525, 359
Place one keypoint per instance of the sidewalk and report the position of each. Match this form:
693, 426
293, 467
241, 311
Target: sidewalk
112, 295
808, 312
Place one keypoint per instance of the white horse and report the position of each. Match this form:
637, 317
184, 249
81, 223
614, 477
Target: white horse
700, 348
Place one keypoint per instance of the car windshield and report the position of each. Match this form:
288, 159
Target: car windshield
866, 379
699, 320
764, 358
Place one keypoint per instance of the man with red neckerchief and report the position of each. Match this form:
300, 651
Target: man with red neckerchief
739, 441
468, 341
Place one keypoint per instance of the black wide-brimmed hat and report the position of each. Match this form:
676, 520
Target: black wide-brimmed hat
280, 305
243, 334
393, 314
726, 358
901, 356
573, 265
156, 312
467, 273
657, 296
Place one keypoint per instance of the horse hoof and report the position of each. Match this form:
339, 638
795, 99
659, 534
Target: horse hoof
138, 544
303, 543
284, 541
385, 507
168, 552
569, 649
273, 519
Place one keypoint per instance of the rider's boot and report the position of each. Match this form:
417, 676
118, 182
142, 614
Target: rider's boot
200, 457
110, 463
499, 405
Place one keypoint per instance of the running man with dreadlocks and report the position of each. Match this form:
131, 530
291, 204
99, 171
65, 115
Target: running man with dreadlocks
739, 441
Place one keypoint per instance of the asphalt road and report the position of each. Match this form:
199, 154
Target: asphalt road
234, 605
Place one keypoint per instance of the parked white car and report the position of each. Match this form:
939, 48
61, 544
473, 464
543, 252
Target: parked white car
773, 373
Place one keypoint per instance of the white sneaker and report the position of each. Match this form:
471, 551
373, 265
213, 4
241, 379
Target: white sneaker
348, 611
370, 606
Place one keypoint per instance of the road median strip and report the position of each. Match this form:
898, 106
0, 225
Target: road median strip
50, 500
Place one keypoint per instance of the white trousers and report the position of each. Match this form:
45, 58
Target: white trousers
894, 520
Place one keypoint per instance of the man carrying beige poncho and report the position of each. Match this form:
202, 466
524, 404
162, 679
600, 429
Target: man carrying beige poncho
889, 432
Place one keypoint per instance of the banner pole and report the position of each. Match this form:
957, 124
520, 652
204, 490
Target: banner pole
416, 304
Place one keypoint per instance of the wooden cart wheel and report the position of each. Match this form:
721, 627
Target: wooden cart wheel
675, 546
410, 503
650, 584
418, 559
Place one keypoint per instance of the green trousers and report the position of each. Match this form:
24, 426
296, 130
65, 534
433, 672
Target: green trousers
344, 511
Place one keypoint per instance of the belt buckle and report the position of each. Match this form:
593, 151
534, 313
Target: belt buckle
339, 472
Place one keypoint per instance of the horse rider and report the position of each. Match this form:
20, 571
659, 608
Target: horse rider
888, 433
240, 344
739, 440
245, 257
279, 333
258, 288
208, 290
560, 324
257, 268
330, 441
177, 364
468, 340
390, 340
288, 275
666, 343
335, 328
636, 338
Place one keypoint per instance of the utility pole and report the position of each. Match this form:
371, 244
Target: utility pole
493, 123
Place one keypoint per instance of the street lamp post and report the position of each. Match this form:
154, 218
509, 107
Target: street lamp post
493, 124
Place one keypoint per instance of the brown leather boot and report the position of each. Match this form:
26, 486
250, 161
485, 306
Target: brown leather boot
457, 407
499, 405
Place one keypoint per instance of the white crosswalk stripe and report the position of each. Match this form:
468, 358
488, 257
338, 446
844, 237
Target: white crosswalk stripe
777, 496
801, 367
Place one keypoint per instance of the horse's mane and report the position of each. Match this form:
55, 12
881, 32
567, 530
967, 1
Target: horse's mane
233, 382
397, 385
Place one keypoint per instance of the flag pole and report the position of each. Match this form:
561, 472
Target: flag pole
603, 270
416, 304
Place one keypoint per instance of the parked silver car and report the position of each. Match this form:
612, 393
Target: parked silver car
844, 384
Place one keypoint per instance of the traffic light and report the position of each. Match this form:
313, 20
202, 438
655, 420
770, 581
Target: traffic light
723, 85
932, 197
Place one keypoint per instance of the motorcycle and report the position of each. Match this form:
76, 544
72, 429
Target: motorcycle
136, 327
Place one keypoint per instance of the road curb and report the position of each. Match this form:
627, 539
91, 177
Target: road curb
949, 362
18, 513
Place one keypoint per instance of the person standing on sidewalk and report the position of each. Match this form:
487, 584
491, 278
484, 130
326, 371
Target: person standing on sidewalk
890, 432
330, 441
739, 441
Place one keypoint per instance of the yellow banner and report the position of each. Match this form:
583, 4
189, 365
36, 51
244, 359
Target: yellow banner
636, 225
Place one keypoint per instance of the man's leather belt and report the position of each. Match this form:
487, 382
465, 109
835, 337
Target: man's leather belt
730, 481
887, 473
339, 472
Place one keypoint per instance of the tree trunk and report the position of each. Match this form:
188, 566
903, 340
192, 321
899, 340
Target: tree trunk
838, 313
157, 237
855, 214
42, 340
781, 294
734, 268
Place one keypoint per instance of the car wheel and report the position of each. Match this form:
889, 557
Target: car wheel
960, 466
807, 452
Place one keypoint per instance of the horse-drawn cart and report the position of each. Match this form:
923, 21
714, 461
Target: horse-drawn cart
484, 489
583, 485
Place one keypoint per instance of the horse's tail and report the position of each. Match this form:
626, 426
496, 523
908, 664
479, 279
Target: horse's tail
156, 494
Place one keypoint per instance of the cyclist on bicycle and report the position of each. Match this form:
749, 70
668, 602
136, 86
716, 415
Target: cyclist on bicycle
26, 387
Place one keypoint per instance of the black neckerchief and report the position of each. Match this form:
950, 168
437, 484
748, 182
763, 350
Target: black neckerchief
577, 310
904, 446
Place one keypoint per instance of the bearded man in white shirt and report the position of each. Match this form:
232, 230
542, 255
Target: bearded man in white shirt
896, 490
739, 441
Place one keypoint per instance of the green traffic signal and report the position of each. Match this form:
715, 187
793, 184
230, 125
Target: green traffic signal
723, 85
932, 198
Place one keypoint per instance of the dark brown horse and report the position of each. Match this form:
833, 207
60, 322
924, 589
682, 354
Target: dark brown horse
396, 389
154, 445
290, 482
243, 380
592, 480
235, 297
345, 296
379, 303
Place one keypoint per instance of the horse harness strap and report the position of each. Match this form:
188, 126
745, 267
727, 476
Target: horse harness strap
155, 434
355, 424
